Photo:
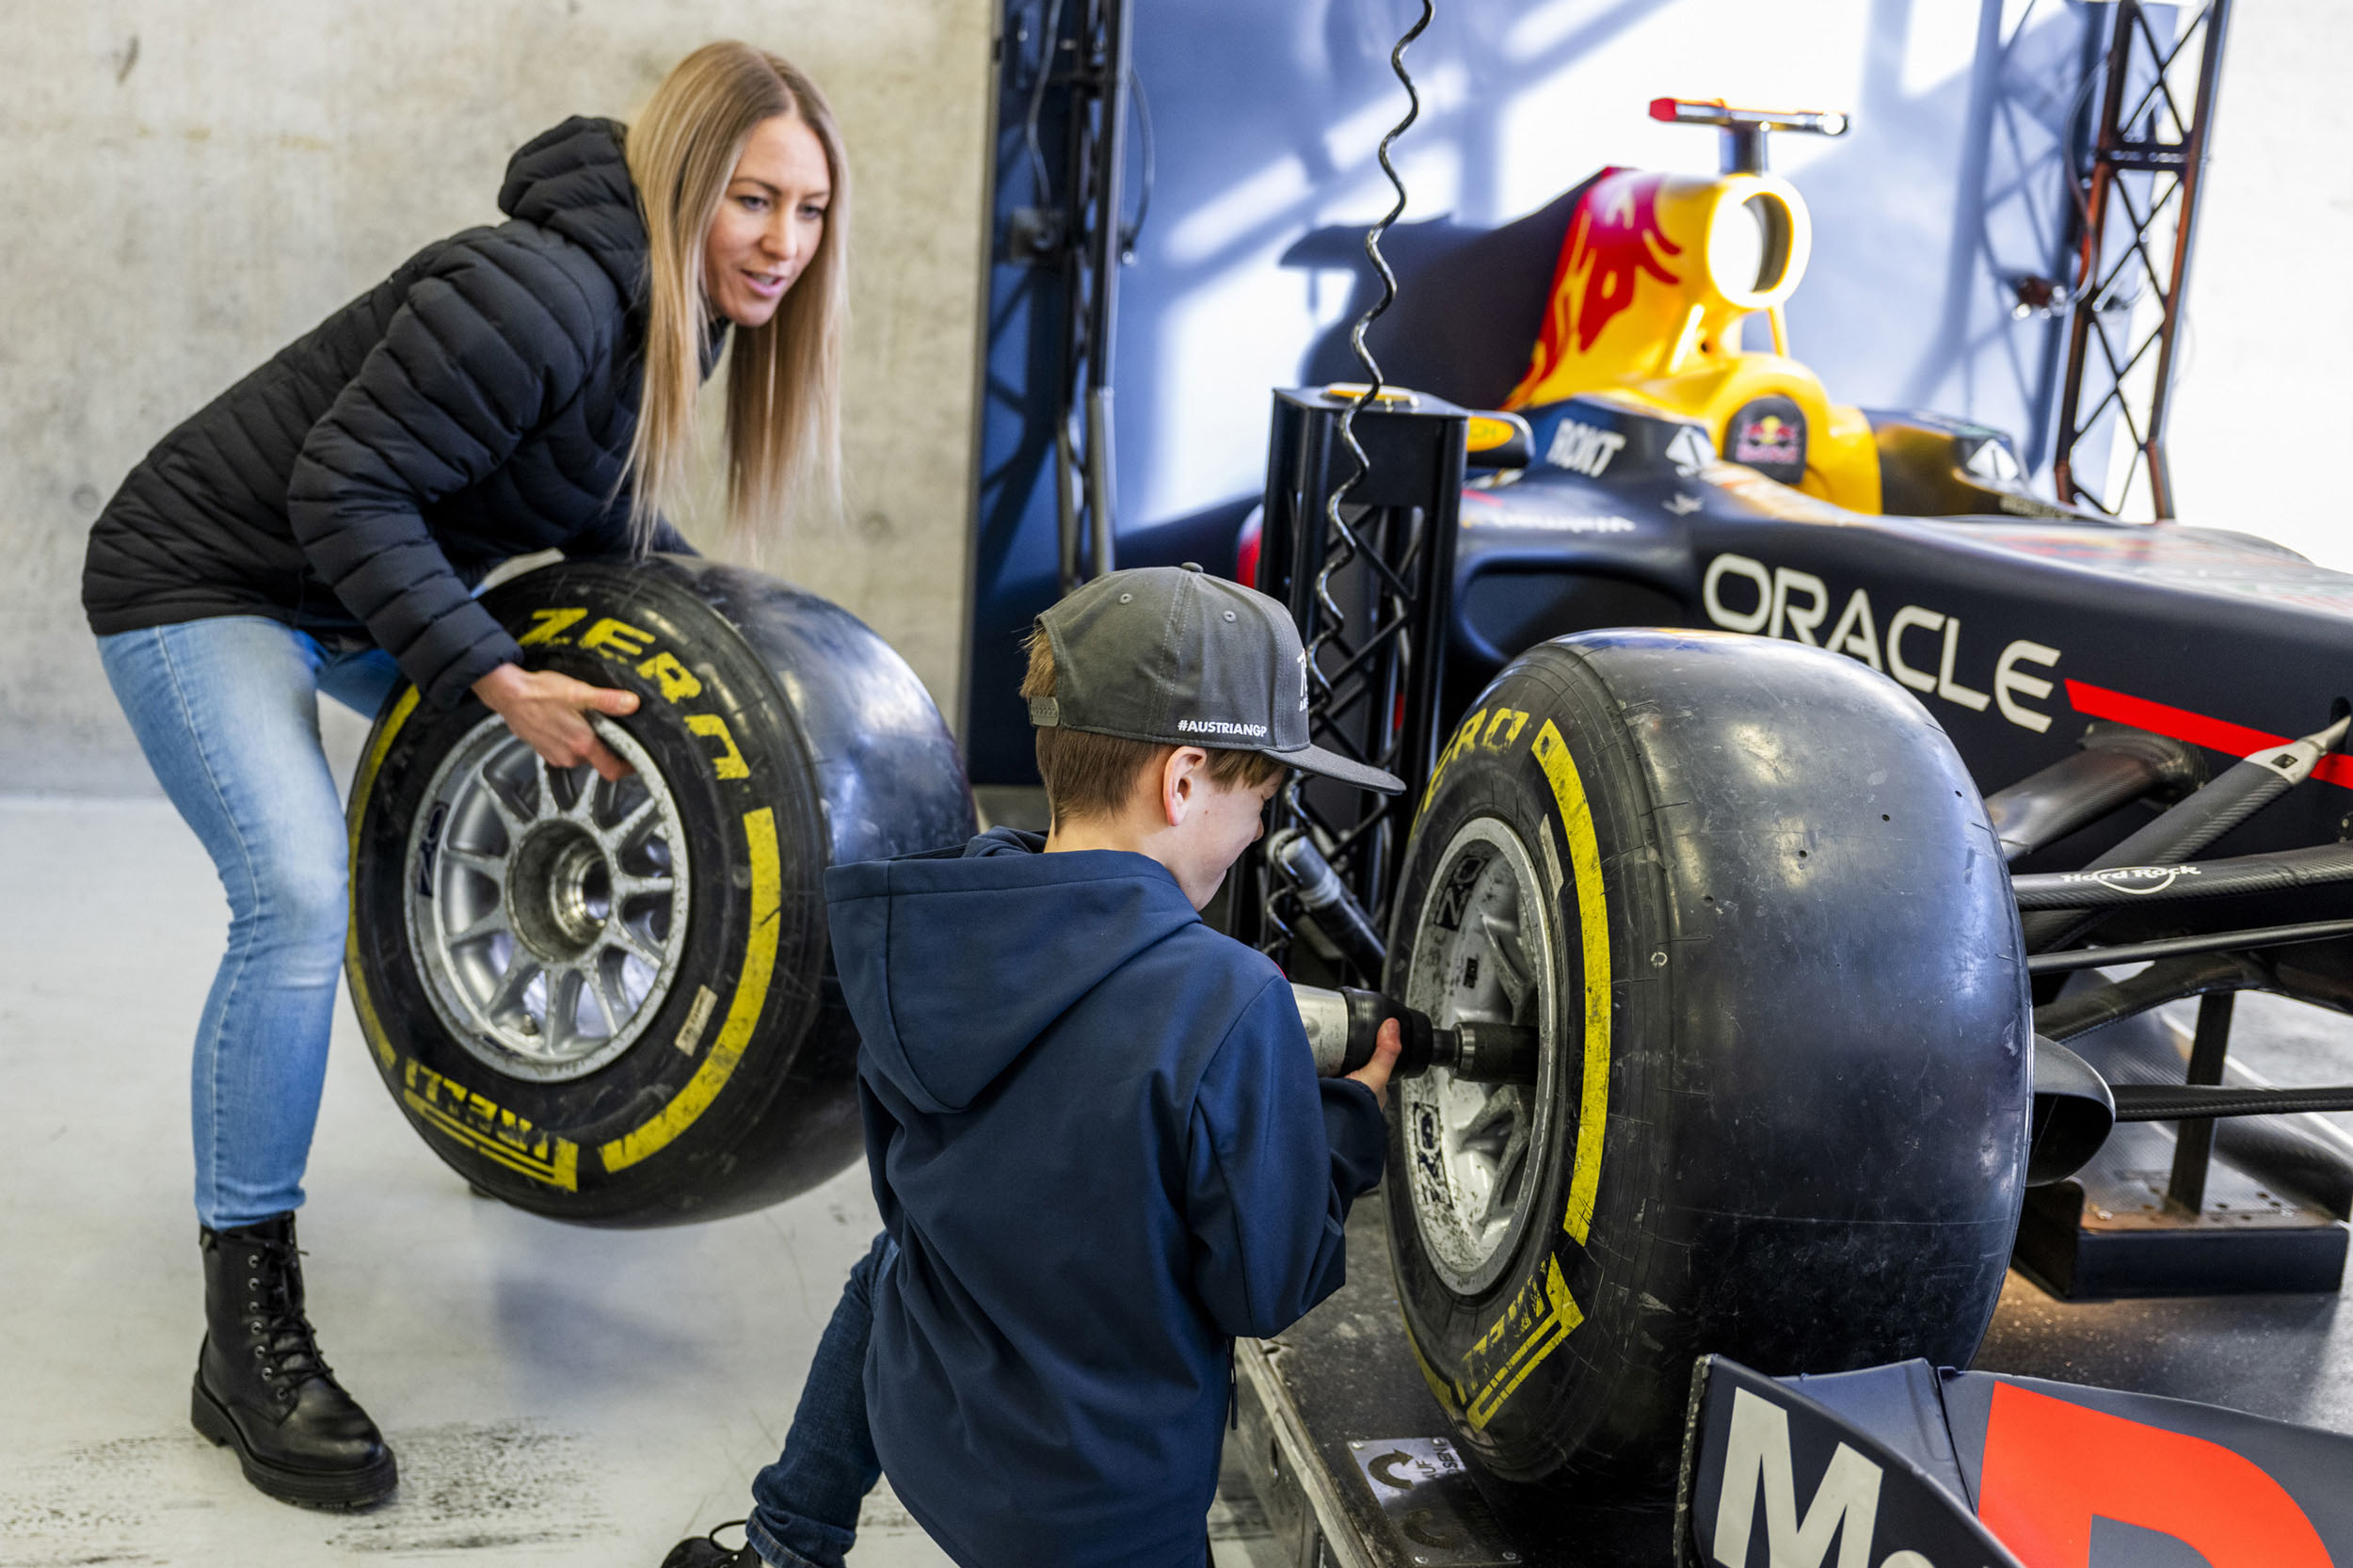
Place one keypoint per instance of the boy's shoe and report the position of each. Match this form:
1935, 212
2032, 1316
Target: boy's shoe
704, 1551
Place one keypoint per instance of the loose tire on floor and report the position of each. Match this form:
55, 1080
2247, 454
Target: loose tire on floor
615, 1003
1750, 897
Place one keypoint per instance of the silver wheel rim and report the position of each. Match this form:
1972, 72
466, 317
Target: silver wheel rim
547, 906
1484, 950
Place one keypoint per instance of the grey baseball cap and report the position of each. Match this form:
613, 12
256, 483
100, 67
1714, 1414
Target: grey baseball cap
1177, 657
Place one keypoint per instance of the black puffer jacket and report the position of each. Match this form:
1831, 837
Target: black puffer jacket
476, 405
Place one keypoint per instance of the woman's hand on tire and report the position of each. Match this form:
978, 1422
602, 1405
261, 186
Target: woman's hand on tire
773, 735
1374, 1075
549, 713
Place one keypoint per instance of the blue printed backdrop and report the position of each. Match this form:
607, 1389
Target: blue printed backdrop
1265, 118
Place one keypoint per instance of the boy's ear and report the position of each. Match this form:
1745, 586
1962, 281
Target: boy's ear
1184, 774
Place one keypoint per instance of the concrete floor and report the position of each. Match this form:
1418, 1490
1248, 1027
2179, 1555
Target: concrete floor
556, 1395
560, 1395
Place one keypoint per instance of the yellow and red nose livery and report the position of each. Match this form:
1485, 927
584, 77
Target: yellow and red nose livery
1657, 275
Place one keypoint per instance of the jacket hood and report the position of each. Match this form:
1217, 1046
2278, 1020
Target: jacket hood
574, 181
944, 958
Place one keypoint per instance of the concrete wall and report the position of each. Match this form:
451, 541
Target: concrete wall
189, 183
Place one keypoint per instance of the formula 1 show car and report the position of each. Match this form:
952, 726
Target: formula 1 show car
1808, 785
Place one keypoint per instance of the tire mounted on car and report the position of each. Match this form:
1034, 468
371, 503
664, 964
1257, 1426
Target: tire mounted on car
1748, 898
613, 1003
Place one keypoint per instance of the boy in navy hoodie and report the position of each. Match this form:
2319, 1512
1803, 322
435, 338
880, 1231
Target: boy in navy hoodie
1094, 1125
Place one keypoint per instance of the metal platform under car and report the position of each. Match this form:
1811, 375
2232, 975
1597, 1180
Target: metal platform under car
1354, 1467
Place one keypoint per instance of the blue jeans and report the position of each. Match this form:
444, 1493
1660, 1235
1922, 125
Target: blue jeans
804, 1506
227, 711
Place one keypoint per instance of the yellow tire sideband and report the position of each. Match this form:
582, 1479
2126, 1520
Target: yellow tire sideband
1593, 918
751, 994
1541, 1313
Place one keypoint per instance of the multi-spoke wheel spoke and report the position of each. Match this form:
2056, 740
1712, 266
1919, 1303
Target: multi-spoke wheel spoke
490, 923
610, 1003
1510, 1161
624, 833
507, 998
492, 866
1503, 946
1483, 950
563, 1025
624, 936
550, 912
585, 783
513, 814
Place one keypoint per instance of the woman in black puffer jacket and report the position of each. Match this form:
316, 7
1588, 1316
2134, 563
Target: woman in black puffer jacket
319, 528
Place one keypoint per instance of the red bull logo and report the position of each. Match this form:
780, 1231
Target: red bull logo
1769, 439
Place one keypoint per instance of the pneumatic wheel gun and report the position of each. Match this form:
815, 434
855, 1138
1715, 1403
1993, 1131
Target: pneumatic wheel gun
1342, 1027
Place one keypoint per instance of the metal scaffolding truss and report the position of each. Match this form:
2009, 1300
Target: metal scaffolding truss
2137, 210
1368, 584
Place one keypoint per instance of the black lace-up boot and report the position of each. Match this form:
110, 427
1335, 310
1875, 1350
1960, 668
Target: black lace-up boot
263, 1388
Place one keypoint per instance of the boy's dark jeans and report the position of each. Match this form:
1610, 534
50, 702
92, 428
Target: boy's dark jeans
804, 1506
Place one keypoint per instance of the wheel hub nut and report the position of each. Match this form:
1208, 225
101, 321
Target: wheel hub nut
559, 892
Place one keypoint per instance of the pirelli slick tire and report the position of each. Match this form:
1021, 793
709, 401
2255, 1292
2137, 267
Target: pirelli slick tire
1748, 898
614, 1003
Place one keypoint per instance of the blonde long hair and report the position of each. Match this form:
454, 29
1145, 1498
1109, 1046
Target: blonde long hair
784, 379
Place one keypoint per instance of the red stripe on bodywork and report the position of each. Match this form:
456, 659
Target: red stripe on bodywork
2197, 728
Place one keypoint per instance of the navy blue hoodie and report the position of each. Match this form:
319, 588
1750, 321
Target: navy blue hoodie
1097, 1137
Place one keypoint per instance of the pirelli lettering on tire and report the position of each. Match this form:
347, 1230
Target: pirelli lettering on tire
475, 1122
1530, 1329
1544, 1312
620, 643
1491, 729
442, 1102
